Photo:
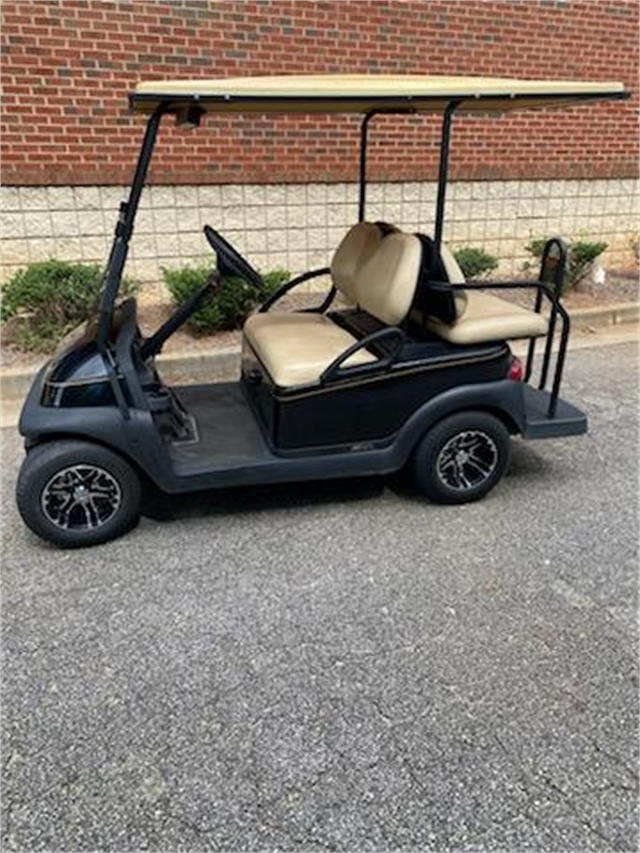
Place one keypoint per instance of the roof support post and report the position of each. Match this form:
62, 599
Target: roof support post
443, 170
364, 127
124, 229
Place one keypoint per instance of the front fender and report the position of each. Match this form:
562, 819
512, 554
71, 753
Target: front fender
134, 438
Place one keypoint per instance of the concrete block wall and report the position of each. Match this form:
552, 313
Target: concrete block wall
298, 226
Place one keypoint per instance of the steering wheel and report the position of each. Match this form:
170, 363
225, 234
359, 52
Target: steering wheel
230, 260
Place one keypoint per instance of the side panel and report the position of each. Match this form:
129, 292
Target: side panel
136, 440
260, 392
504, 397
371, 409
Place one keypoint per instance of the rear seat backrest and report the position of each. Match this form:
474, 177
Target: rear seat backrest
385, 283
451, 266
455, 276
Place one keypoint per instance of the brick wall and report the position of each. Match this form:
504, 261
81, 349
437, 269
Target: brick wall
67, 67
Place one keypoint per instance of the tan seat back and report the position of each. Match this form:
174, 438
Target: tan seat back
378, 267
451, 266
356, 246
455, 276
385, 283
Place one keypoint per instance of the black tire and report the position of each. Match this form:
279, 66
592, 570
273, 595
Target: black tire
462, 458
76, 494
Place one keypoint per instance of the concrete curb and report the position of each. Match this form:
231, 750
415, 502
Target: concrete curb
224, 364
611, 315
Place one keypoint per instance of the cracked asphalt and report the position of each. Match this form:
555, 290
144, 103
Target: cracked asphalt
339, 666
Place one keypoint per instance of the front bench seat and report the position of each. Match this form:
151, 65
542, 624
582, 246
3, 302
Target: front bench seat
296, 348
482, 317
379, 271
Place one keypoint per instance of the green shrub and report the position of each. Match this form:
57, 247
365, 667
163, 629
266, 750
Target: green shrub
50, 298
232, 303
582, 256
535, 248
475, 262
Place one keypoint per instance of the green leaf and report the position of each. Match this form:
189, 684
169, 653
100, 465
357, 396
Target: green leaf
232, 302
475, 262
582, 256
54, 297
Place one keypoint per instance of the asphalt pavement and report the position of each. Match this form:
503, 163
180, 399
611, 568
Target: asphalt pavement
339, 666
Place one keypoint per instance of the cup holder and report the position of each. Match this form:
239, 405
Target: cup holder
159, 400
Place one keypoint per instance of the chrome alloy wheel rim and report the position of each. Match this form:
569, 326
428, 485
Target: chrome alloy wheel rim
467, 460
81, 497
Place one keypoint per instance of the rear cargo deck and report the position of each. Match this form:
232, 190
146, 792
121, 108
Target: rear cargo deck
567, 421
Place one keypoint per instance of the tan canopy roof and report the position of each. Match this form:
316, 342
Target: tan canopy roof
360, 93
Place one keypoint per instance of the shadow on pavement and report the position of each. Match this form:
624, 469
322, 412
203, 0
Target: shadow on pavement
161, 507
525, 463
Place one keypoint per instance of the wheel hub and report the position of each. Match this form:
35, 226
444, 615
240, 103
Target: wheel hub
81, 497
467, 460
81, 494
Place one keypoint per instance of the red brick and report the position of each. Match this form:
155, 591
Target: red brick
74, 123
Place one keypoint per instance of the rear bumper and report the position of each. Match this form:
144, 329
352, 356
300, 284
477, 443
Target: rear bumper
568, 420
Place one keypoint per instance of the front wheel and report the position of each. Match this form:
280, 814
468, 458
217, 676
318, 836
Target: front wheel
75, 493
462, 458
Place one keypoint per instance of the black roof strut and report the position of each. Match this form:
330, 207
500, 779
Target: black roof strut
124, 229
442, 169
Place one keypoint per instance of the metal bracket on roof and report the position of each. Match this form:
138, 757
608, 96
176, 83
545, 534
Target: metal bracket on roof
189, 117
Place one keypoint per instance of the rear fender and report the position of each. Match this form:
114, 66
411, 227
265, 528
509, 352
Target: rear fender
504, 398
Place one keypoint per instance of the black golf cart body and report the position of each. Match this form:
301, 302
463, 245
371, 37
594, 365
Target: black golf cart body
325, 392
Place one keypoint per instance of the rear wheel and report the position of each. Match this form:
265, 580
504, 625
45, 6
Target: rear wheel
75, 493
462, 458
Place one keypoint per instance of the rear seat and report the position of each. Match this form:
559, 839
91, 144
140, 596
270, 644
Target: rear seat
482, 317
473, 316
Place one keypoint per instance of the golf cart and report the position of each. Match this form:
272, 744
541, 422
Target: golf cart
416, 371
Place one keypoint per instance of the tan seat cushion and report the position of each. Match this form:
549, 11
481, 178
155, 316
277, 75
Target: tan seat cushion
296, 349
489, 318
